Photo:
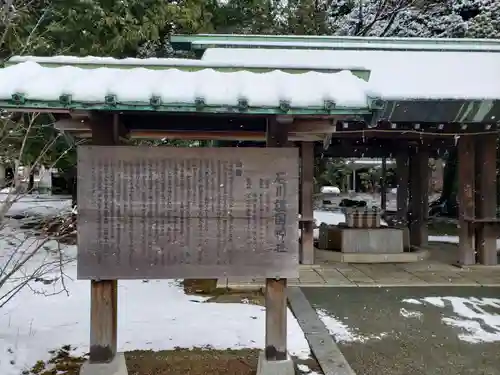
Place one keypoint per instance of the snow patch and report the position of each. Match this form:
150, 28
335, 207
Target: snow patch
341, 332
36, 205
436, 301
452, 239
444, 239
154, 315
412, 301
410, 314
304, 369
478, 319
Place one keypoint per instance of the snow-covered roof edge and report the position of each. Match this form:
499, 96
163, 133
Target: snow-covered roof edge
343, 38
183, 64
397, 75
203, 41
346, 46
205, 90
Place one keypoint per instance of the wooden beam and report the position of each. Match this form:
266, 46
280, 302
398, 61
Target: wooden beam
307, 191
275, 294
277, 133
37, 110
104, 293
73, 124
389, 134
313, 126
486, 198
466, 187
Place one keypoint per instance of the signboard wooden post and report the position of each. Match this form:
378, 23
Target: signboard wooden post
276, 308
160, 212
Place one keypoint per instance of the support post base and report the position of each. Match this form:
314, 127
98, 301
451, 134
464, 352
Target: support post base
117, 366
265, 367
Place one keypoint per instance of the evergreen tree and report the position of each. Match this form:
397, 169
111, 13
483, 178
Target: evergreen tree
486, 24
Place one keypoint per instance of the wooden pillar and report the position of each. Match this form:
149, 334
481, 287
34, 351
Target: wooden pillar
306, 202
419, 197
402, 175
383, 186
276, 307
104, 293
486, 198
103, 320
466, 188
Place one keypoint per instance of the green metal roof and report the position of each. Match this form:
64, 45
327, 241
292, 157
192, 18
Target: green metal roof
91, 62
200, 42
109, 103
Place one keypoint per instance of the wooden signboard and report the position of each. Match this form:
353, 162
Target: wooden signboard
166, 212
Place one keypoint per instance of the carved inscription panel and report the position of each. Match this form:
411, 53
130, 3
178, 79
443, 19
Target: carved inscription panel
166, 212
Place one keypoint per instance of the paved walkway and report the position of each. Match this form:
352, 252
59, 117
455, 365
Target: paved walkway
413, 331
428, 273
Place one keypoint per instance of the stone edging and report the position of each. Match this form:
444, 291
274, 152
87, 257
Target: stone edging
325, 350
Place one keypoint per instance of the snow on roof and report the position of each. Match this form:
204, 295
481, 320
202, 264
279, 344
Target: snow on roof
349, 45
203, 41
97, 60
368, 39
138, 85
153, 62
396, 75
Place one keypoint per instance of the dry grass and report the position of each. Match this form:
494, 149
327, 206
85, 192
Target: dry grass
61, 363
192, 362
441, 228
198, 361
208, 288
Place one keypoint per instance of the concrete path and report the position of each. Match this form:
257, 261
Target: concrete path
413, 331
356, 275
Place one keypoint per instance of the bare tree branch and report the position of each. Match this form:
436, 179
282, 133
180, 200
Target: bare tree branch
28, 258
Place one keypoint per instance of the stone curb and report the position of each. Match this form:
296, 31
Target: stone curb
325, 350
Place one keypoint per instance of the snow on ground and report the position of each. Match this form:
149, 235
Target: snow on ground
158, 315
306, 370
443, 239
152, 315
410, 314
478, 318
451, 239
342, 332
37, 204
